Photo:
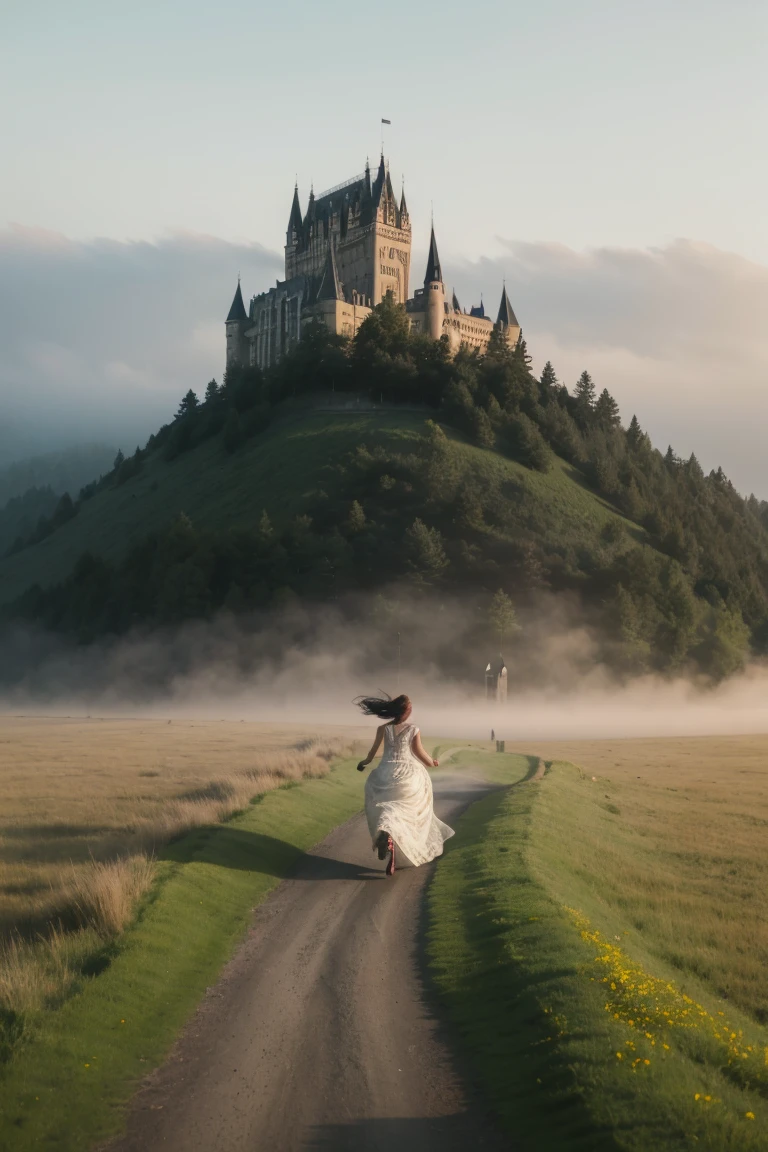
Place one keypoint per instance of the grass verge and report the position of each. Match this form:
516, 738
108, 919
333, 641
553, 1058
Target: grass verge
582, 1038
74, 1068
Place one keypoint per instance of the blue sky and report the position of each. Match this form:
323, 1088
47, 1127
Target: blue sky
594, 123
607, 158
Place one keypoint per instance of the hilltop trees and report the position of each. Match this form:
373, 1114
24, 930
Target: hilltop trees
681, 582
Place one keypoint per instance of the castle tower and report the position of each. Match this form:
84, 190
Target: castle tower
434, 290
293, 232
235, 324
507, 321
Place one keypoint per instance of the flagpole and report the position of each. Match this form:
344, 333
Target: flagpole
383, 122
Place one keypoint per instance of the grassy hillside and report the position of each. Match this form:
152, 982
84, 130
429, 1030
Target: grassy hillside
280, 471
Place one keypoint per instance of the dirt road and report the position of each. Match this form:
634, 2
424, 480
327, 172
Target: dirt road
319, 1034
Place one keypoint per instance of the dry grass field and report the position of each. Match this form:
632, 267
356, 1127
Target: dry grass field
86, 803
680, 852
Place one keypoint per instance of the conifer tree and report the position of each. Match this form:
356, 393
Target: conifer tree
672, 462
693, 468
635, 434
188, 404
607, 410
211, 391
584, 393
426, 555
548, 379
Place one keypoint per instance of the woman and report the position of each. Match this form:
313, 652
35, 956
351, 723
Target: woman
398, 793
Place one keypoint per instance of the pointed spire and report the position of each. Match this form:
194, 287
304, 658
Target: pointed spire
434, 271
329, 287
380, 182
403, 205
237, 311
506, 316
455, 302
294, 223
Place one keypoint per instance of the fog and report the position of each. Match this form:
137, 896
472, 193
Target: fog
307, 667
101, 339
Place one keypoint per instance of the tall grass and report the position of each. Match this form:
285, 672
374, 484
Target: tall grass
64, 929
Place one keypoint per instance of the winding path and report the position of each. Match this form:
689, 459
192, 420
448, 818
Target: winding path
319, 1034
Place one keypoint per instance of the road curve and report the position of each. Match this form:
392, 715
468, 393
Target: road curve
319, 1034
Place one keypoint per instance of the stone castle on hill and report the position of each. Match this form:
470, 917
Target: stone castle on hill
342, 257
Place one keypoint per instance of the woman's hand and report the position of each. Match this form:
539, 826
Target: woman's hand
435, 763
362, 765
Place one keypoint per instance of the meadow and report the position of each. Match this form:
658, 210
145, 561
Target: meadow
87, 804
600, 939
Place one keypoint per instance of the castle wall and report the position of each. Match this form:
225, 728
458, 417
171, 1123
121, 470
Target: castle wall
339, 317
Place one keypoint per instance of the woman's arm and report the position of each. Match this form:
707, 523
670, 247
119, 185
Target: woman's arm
374, 749
418, 750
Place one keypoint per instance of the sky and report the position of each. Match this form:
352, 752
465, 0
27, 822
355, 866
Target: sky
606, 158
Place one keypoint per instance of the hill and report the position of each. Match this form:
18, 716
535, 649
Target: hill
513, 490
64, 471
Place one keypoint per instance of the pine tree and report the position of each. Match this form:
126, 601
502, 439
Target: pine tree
635, 434
211, 391
607, 410
694, 469
672, 462
584, 393
118, 459
426, 555
548, 376
188, 404
548, 382
522, 355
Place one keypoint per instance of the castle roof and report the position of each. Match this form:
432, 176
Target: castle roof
455, 303
434, 271
506, 316
329, 285
478, 311
237, 311
294, 223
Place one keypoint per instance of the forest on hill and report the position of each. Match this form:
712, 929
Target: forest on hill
669, 563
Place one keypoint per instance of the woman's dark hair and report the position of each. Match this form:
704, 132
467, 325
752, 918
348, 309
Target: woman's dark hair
383, 706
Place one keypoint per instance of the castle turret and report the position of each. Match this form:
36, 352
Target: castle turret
405, 220
294, 224
434, 290
235, 324
507, 321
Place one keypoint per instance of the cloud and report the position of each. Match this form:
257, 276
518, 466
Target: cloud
677, 334
100, 339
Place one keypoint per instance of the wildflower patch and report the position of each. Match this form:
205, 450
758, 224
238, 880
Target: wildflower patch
659, 1014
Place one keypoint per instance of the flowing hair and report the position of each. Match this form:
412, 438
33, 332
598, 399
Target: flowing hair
383, 706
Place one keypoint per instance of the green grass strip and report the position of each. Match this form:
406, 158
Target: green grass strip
68, 1083
523, 988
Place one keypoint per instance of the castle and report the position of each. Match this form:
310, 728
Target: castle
351, 248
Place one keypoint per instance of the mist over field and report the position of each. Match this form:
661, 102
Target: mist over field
307, 666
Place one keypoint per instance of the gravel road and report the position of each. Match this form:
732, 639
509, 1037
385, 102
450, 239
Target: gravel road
320, 1034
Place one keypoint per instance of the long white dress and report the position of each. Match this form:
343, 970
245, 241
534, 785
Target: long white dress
398, 799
